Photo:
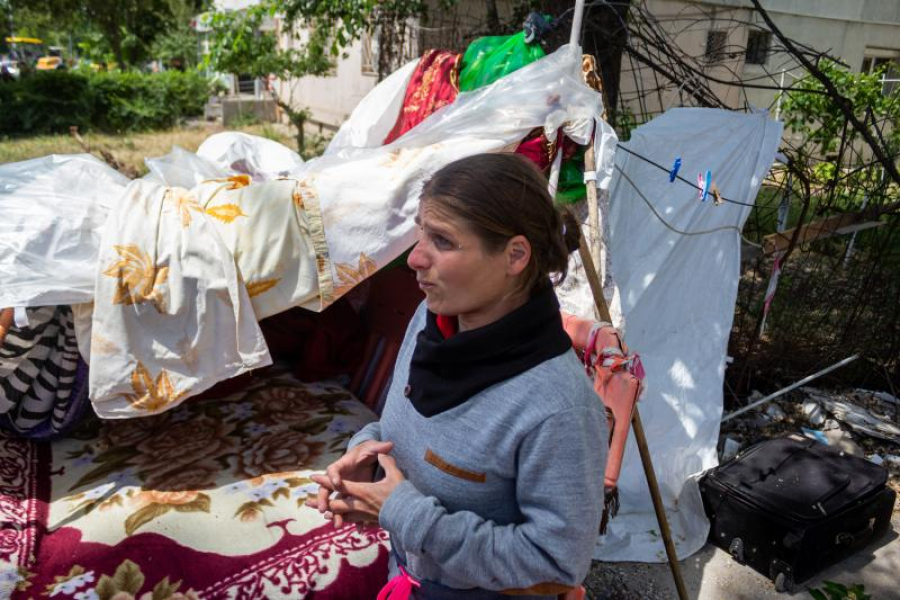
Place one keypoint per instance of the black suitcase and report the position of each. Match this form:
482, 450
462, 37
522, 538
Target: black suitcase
789, 507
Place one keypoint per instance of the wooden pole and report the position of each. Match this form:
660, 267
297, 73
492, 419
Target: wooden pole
638, 428
586, 251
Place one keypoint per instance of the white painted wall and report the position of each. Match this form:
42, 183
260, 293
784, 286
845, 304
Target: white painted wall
332, 99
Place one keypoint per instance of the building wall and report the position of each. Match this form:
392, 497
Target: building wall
846, 29
332, 99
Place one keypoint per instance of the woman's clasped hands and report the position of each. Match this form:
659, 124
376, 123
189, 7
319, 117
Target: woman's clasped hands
347, 493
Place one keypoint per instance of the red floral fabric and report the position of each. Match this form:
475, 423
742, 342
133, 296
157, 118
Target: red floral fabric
204, 501
434, 84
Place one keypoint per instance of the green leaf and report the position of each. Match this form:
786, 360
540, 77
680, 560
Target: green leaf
164, 590
200, 504
835, 588
143, 516
101, 473
106, 588
128, 578
817, 594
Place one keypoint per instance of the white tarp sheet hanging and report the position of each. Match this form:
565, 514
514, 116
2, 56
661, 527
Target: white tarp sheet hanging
678, 293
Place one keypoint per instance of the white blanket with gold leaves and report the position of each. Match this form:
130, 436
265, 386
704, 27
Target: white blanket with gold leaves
172, 313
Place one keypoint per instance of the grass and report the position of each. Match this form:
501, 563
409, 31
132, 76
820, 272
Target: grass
131, 149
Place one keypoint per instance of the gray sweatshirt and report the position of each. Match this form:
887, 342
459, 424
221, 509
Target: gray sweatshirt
503, 492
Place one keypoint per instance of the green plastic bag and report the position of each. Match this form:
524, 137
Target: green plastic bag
487, 59
571, 187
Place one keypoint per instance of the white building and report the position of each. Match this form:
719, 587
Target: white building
725, 39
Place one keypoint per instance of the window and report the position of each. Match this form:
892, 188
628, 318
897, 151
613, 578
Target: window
887, 62
715, 45
397, 54
757, 47
369, 43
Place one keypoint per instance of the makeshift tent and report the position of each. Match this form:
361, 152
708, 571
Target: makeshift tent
164, 286
357, 201
164, 273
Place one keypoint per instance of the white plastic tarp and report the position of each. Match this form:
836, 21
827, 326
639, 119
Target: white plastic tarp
52, 210
351, 209
678, 293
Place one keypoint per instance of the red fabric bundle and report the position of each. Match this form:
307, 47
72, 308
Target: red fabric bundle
434, 84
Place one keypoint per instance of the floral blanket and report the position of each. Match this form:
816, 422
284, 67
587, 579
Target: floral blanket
204, 501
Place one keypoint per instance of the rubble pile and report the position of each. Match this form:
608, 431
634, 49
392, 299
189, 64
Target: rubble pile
860, 422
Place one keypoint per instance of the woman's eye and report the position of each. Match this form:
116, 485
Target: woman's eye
442, 243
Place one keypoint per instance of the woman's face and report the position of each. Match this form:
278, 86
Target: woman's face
459, 276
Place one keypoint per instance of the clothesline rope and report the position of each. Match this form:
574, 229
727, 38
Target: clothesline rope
679, 177
679, 231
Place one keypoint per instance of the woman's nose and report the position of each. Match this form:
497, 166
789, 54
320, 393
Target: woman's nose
418, 258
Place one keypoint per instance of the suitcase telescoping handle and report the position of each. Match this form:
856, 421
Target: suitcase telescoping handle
848, 539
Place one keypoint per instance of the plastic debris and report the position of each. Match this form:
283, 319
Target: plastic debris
841, 440
862, 420
814, 413
774, 412
815, 434
730, 449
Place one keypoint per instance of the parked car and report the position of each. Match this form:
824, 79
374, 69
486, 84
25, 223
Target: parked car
52, 61
21, 55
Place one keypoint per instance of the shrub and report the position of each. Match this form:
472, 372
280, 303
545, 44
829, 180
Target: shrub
51, 102
45, 102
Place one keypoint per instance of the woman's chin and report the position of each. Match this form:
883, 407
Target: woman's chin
434, 304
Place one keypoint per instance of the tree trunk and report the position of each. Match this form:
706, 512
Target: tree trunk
493, 16
299, 121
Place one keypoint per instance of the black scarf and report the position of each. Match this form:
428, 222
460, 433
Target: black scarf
444, 373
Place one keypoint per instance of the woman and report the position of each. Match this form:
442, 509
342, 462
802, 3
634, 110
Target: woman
492, 441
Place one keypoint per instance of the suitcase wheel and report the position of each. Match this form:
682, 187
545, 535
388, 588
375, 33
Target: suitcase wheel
736, 549
783, 576
784, 583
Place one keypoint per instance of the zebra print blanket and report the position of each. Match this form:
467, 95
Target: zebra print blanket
43, 381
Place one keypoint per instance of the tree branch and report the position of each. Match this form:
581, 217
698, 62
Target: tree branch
843, 103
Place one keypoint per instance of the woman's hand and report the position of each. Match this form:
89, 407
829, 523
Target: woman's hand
357, 464
362, 502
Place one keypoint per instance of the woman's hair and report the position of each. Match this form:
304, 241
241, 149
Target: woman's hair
503, 195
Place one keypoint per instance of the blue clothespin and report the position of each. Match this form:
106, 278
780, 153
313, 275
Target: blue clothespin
706, 185
674, 172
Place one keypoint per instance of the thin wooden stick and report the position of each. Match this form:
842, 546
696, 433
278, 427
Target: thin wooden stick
587, 262
588, 254
638, 428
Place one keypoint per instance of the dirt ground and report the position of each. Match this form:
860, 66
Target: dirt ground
131, 148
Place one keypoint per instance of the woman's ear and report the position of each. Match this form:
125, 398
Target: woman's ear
518, 252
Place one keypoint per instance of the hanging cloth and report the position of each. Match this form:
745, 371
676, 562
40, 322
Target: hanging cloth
433, 85
43, 381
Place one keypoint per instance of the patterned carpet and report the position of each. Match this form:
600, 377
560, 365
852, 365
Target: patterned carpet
205, 501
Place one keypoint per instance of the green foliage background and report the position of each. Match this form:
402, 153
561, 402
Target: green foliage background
52, 101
